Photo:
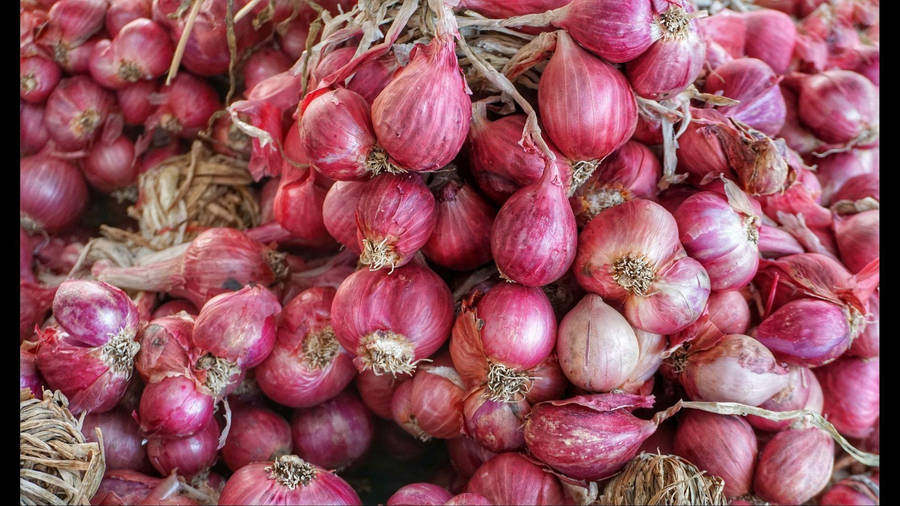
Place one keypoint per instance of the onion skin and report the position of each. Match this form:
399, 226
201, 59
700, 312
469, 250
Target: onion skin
701, 150
38, 77
838, 105
436, 399
121, 438
373, 76
756, 86
737, 369
111, 166
297, 206
867, 345
35, 301
724, 446
599, 131
336, 134
858, 238
33, 134
588, 437
806, 331
29, 376
461, 239
188, 455
52, 192
596, 346
158, 413
853, 490
262, 64
549, 381
770, 37
419, 493
121, 12
509, 478
495, 425
333, 434
76, 111
417, 138
794, 466
165, 347
339, 212
802, 392
468, 498
377, 391
836, 169
617, 32
368, 302
306, 366
92, 312
257, 434
851, 390
729, 311
251, 484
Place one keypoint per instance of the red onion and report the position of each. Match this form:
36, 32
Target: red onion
652, 350
175, 406
596, 346
122, 12
262, 64
511, 330
867, 344
75, 111
729, 311
307, 365
121, 439
675, 59
373, 320
373, 76
630, 254
835, 170
436, 398
424, 494
111, 166
422, 116
93, 379
336, 134
630, 172
770, 37
856, 489
794, 466
257, 434
533, 237
189, 455
857, 239
187, 104
165, 347
286, 480
395, 216
802, 392
661, 442
330, 63
737, 368
797, 136
94, 313
723, 446
725, 34
37, 78
72, 22
298, 206
217, 261
35, 300
839, 106
173, 307
467, 455
701, 148
468, 498
755, 85
377, 391
722, 234
333, 434
798, 198
510, 478
808, 332
292, 37
29, 376
574, 76
851, 390
590, 436
140, 51
461, 237
232, 141
238, 327
548, 383
122, 486
33, 134
858, 188
339, 212
495, 425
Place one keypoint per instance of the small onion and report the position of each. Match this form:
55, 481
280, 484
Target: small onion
377, 391
755, 85
37, 78
297, 206
858, 238
33, 133
807, 332
336, 134
94, 313
495, 425
333, 434
339, 212
175, 406
462, 231
467, 455
794, 466
436, 398
188, 455
856, 489
510, 478
121, 439
256, 434
802, 392
111, 166
724, 446
851, 390
165, 347
52, 193
838, 105
286, 480
76, 111
424, 494
770, 37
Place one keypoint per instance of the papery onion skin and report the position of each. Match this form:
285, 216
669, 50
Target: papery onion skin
461, 239
509, 478
159, 414
724, 446
418, 138
495, 425
436, 399
794, 466
165, 347
92, 312
737, 369
851, 390
333, 434
597, 131
802, 392
372, 309
836, 169
188, 455
770, 37
256, 434
807, 331
419, 493
755, 85
52, 192
838, 105
306, 366
596, 346
588, 437
252, 484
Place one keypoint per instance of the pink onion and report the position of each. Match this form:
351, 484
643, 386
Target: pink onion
510, 478
121, 12
770, 37
436, 398
462, 230
188, 455
165, 347
495, 425
373, 76
286, 480
467, 455
29, 376
851, 390
802, 392
256, 434
140, 51
307, 365
187, 104
172, 307
807, 332
835, 170
723, 446
395, 216
262, 64
839, 106
333, 434
729, 311
794, 466
175, 406
373, 317
35, 300
419, 494
111, 166
38, 77
615, 31
856, 489
76, 111
701, 148
630, 254
548, 383
857, 239
33, 134
339, 212
94, 313
298, 206
377, 391
867, 344
71, 22
468, 498
755, 85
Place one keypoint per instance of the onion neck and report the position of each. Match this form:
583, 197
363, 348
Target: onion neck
219, 373
277, 262
118, 353
581, 172
86, 122
129, 71
379, 254
156, 277
595, 202
673, 24
751, 223
291, 471
378, 162
28, 82
634, 274
412, 425
505, 384
386, 352
320, 348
